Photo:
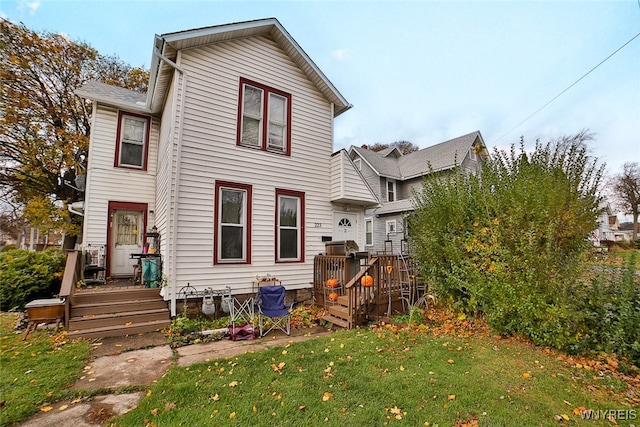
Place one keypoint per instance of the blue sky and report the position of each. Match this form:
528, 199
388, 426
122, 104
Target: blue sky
422, 71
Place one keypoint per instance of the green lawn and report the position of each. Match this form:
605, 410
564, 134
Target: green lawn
36, 371
386, 376
452, 372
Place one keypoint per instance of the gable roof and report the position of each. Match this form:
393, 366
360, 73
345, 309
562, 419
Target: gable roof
165, 50
442, 156
167, 45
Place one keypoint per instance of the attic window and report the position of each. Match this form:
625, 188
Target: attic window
264, 117
132, 141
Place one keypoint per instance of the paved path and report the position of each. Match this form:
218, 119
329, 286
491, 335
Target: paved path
113, 369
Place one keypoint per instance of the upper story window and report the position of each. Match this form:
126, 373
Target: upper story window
290, 230
358, 163
391, 190
232, 238
132, 141
264, 118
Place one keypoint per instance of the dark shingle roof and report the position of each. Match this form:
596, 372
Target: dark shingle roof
442, 156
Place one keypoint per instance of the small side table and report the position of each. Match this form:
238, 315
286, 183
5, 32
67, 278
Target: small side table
43, 310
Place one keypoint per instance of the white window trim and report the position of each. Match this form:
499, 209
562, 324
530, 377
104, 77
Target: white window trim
368, 220
391, 226
394, 192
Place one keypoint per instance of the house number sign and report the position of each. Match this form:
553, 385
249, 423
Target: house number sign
317, 224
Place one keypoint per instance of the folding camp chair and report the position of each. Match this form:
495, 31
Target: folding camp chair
271, 305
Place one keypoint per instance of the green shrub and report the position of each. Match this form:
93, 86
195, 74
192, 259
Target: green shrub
510, 243
25, 276
606, 312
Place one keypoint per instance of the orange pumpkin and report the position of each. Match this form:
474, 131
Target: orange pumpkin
333, 283
333, 296
366, 281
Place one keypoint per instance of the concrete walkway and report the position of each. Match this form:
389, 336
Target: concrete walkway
116, 365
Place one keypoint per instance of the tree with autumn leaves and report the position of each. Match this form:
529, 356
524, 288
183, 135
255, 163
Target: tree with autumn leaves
626, 190
45, 127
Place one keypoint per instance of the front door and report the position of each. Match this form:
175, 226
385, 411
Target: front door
126, 234
344, 226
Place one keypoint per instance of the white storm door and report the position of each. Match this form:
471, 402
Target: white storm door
126, 239
344, 226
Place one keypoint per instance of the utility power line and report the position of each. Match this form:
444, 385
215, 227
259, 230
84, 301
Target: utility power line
569, 87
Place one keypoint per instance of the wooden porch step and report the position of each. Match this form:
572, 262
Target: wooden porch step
335, 320
120, 318
115, 307
119, 330
113, 294
339, 311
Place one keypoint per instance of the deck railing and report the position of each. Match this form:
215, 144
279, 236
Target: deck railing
392, 290
69, 280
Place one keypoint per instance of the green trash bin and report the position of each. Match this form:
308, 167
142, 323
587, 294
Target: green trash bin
150, 272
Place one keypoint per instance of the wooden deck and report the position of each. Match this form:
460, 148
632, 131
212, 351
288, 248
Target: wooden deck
394, 287
116, 308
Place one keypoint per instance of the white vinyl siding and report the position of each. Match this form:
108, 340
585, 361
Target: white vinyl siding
210, 153
347, 184
107, 183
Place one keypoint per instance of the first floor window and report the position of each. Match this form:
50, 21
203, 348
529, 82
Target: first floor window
133, 141
368, 231
233, 220
289, 227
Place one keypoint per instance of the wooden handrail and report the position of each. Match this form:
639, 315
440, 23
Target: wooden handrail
69, 280
364, 269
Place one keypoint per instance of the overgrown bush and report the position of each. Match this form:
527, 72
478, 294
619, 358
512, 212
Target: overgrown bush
606, 312
510, 243
25, 276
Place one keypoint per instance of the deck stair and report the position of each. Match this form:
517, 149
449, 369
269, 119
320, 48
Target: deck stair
116, 312
338, 313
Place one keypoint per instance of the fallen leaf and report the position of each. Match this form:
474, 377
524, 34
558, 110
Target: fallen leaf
46, 408
526, 375
451, 397
215, 397
326, 396
154, 411
233, 384
450, 361
63, 407
232, 415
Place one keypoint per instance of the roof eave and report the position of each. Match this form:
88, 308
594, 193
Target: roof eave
270, 26
129, 106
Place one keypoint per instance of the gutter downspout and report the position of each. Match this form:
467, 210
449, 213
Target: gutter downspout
173, 209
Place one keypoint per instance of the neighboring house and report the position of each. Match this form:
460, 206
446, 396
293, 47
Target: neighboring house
229, 156
393, 177
608, 227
